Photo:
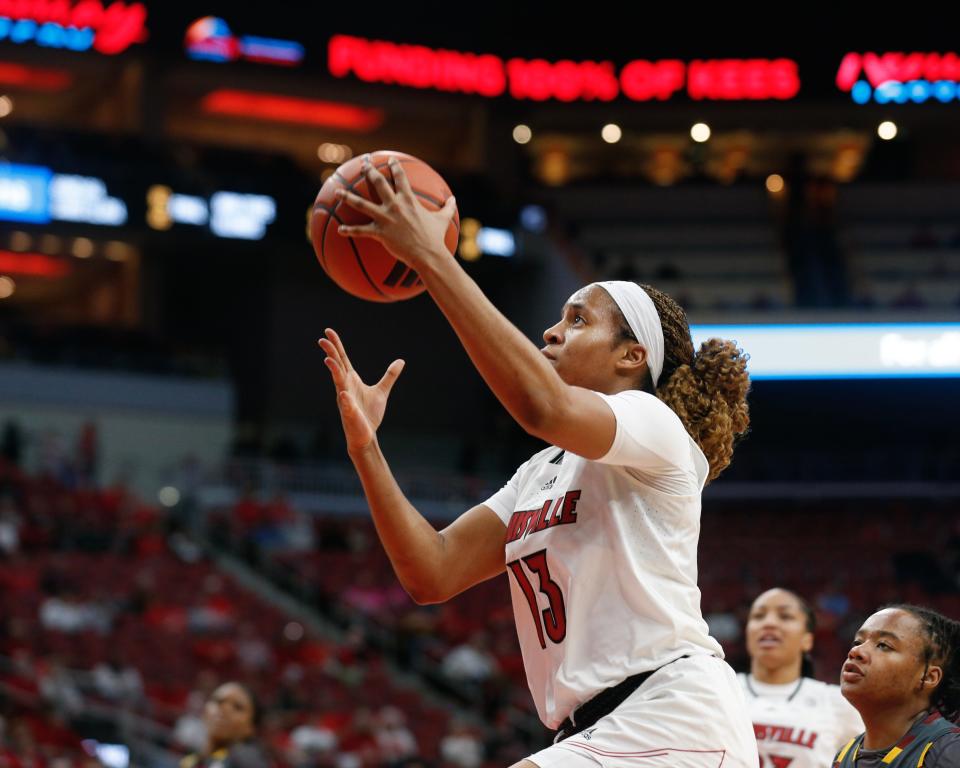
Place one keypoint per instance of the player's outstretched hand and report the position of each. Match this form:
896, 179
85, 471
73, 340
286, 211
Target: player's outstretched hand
361, 406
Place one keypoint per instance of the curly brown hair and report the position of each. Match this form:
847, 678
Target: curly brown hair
707, 389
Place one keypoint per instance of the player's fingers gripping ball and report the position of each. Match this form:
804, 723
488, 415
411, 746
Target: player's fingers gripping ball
360, 265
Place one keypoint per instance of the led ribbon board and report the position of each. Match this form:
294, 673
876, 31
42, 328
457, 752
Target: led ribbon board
900, 78
74, 26
844, 350
417, 66
210, 39
36, 195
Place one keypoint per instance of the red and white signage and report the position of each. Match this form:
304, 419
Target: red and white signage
417, 66
879, 68
78, 26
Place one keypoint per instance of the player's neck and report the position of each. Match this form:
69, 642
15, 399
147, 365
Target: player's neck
887, 725
788, 673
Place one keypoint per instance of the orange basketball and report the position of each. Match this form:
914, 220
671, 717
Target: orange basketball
360, 265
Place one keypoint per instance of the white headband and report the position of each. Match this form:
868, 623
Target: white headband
642, 317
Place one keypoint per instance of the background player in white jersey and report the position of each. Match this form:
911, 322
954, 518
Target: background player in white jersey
798, 721
598, 532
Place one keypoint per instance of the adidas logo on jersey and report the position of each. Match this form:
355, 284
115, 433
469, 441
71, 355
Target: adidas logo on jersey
587, 734
548, 485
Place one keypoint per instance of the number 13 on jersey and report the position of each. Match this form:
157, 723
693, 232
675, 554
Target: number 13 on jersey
551, 622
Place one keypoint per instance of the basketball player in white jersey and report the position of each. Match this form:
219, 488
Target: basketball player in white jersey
599, 531
799, 722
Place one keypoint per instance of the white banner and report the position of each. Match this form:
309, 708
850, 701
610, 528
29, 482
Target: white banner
844, 350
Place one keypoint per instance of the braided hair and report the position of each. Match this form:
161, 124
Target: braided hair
941, 646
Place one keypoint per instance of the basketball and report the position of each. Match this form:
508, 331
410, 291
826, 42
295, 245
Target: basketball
362, 266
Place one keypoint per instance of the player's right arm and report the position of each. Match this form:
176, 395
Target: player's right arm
432, 565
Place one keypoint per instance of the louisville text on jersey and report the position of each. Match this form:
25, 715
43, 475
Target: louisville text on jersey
559, 511
784, 735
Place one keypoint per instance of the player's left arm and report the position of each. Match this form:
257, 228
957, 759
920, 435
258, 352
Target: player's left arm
569, 417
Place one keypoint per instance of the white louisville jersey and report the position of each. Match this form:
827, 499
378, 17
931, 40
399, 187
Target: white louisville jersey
602, 557
802, 724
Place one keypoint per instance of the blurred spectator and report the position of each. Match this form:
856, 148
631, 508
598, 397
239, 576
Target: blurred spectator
461, 746
471, 661
10, 523
376, 600
213, 611
247, 510
253, 653
68, 613
118, 682
280, 527
358, 743
54, 462
313, 743
394, 739
58, 688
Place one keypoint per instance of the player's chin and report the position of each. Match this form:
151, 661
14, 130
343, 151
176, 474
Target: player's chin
854, 690
769, 656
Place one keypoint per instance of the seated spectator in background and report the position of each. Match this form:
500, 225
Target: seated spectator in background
471, 661
253, 653
378, 601
67, 613
213, 611
461, 746
231, 716
394, 739
358, 746
10, 523
118, 682
247, 513
54, 462
313, 743
903, 676
58, 688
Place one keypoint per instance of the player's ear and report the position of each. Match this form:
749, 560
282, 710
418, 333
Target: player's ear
931, 678
633, 357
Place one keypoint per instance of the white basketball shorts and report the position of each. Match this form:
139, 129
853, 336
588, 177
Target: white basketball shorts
688, 714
